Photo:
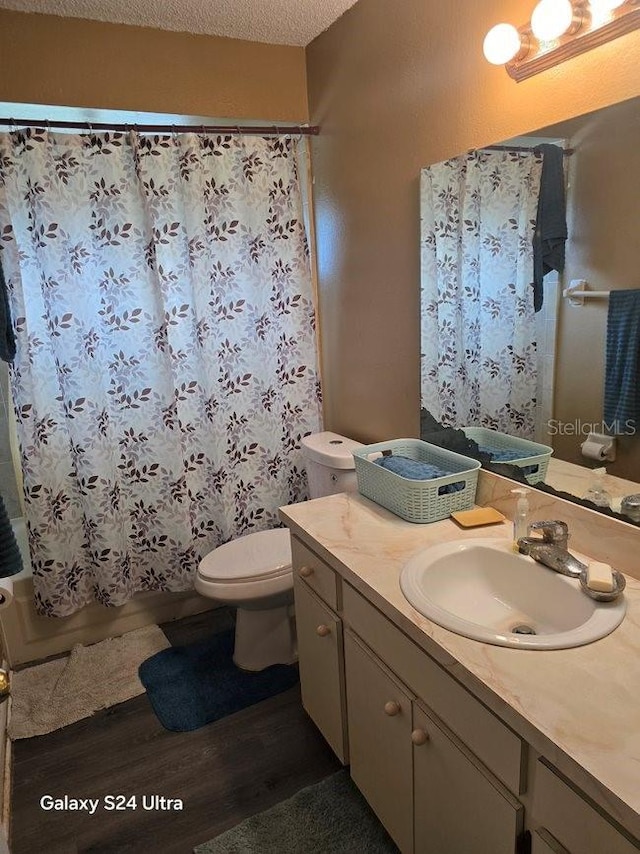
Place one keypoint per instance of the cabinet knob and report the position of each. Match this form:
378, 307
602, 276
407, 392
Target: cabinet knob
306, 571
419, 736
392, 708
323, 631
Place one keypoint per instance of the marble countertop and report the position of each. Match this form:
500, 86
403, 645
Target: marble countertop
576, 480
579, 707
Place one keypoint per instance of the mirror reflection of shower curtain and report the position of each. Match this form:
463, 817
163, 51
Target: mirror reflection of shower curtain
478, 328
167, 363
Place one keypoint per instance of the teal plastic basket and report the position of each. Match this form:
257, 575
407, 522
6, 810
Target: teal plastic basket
419, 501
533, 455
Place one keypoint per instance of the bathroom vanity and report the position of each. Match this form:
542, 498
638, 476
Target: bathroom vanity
460, 746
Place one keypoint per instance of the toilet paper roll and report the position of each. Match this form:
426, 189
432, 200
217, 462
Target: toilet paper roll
595, 450
6, 593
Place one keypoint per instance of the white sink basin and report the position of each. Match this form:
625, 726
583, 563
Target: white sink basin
481, 589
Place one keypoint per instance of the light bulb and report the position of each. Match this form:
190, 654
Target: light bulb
551, 18
501, 44
605, 5
602, 9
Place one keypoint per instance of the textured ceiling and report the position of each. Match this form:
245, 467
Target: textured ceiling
292, 22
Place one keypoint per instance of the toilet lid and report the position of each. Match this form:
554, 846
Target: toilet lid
265, 554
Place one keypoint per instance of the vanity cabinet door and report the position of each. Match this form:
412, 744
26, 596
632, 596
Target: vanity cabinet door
379, 713
321, 661
569, 818
459, 806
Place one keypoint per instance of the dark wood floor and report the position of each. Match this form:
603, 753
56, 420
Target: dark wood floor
223, 772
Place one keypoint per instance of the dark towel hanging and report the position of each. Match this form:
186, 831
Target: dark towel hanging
10, 557
7, 338
621, 383
551, 222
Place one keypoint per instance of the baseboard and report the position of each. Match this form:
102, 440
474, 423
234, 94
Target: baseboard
27, 636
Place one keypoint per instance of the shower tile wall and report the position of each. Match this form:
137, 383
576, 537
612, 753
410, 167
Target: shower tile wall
8, 486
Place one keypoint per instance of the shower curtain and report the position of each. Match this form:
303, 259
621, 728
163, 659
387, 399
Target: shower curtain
479, 364
167, 366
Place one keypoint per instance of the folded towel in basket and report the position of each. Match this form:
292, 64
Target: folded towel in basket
417, 470
502, 455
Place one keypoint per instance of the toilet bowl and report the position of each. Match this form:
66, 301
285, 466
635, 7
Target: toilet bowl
253, 573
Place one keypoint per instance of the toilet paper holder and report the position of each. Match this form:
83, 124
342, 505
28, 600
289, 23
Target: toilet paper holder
599, 446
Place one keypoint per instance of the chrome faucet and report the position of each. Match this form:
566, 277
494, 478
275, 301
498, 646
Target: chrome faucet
551, 548
552, 532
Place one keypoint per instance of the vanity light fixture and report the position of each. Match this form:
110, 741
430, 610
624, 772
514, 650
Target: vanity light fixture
558, 30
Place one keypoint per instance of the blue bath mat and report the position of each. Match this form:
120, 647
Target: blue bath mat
190, 686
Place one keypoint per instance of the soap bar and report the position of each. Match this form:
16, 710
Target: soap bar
478, 516
600, 577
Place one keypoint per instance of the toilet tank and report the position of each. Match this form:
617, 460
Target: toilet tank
329, 463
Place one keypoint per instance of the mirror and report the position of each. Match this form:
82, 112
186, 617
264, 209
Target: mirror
561, 398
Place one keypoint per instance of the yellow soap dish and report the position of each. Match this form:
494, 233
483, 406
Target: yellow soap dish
619, 583
477, 516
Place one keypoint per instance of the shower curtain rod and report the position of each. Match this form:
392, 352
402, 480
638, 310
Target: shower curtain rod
567, 152
232, 130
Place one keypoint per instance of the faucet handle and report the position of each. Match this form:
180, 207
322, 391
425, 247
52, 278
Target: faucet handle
553, 531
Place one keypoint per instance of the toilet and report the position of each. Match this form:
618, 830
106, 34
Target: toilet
253, 573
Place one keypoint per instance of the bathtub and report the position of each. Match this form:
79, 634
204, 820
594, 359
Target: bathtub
26, 636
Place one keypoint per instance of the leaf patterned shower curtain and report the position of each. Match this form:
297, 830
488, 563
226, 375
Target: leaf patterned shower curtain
479, 361
167, 367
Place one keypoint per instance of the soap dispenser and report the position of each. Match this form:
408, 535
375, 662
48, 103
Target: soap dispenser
596, 493
521, 516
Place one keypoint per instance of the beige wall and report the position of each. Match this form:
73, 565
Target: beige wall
45, 59
602, 216
396, 86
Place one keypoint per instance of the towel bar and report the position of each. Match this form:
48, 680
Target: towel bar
577, 292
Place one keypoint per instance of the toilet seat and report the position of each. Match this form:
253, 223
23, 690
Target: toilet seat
262, 556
